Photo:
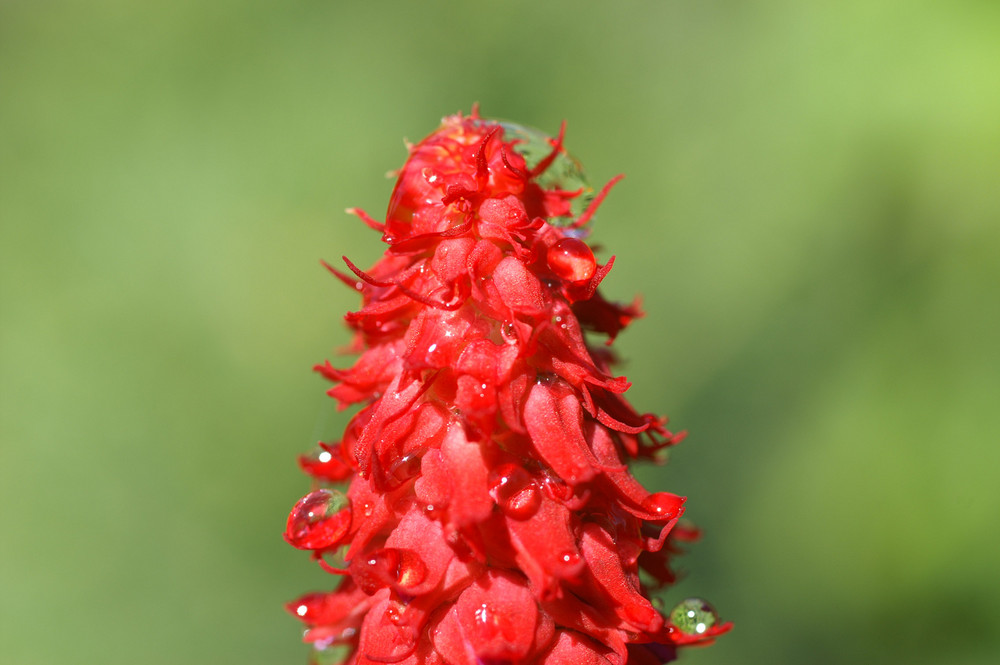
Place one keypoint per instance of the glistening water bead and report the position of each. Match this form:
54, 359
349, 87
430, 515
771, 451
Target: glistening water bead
571, 259
515, 491
693, 616
665, 505
319, 520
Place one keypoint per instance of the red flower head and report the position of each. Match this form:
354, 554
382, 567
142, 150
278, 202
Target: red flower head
489, 515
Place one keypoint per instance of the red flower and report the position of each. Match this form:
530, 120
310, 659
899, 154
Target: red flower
490, 516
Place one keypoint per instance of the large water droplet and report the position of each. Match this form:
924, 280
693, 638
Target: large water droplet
664, 505
572, 260
564, 173
515, 491
693, 616
319, 520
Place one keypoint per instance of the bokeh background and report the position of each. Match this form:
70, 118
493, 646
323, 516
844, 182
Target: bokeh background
810, 213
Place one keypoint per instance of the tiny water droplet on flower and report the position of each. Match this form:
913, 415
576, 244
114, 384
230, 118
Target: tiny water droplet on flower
693, 616
325, 463
570, 558
402, 470
664, 505
395, 635
572, 260
429, 175
410, 569
319, 520
515, 491
396, 568
308, 607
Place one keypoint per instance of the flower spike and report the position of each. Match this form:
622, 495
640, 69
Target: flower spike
479, 507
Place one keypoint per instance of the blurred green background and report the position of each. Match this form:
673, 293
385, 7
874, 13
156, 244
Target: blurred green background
811, 214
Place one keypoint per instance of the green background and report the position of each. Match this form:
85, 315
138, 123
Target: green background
810, 212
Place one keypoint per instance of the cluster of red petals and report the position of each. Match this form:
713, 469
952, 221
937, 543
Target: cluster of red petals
490, 517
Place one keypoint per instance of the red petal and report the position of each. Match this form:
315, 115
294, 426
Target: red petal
554, 420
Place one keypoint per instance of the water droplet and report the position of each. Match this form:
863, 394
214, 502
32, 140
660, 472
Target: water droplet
545, 377
410, 570
556, 489
483, 616
693, 616
664, 505
430, 176
319, 520
572, 260
395, 636
515, 491
399, 569
570, 558
309, 607
325, 463
405, 468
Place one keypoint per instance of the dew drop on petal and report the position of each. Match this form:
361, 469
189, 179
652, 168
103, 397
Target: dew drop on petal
410, 569
486, 623
325, 463
397, 568
309, 607
402, 470
570, 559
664, 505
572, 260
557, 490
524, 504
319, 520
430, 176
515, 491
394, 636
693, 616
